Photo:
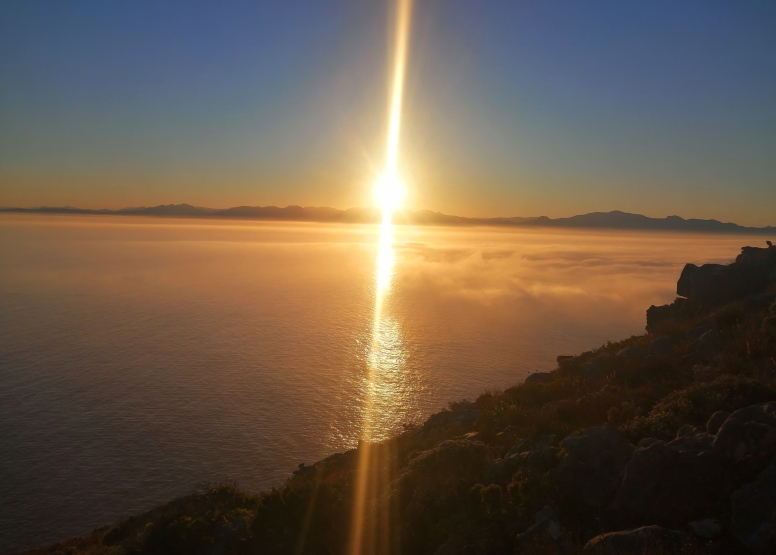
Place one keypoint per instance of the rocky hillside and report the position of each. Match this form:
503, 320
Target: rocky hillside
661, 443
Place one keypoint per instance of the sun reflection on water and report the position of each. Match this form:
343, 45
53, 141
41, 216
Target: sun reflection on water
388, 392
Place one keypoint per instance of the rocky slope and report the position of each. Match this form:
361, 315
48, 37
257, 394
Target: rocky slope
661, 443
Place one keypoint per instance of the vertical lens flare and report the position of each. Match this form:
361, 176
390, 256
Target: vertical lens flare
389, 189
370, 527
363, 534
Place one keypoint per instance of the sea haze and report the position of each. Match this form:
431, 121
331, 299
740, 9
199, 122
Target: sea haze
141, 358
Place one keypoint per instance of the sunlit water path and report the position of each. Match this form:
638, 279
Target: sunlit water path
140, 358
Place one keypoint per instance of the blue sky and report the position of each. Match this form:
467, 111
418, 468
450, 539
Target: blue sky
512, 107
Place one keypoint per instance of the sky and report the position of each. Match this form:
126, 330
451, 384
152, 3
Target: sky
512, 108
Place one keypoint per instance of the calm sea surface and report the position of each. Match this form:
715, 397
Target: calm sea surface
142, 358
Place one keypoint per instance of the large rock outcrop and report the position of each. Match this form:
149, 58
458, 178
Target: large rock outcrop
714, 284
711, 285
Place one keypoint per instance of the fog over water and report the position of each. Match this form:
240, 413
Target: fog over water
140, 358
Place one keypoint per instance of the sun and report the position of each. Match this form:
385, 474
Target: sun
390, 192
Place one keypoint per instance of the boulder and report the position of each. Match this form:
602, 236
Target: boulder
646, 540
750, 431
753, 520
592, 469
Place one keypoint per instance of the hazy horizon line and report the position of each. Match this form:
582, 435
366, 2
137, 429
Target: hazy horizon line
614, 219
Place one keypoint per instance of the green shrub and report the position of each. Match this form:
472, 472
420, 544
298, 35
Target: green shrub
695, 404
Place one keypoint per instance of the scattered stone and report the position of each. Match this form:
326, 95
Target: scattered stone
706, 528
753, 520
641, 541
715, 421
538, 377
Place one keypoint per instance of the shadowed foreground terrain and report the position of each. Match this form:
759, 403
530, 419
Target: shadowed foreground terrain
660, 443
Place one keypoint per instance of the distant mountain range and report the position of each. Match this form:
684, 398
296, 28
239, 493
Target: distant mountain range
601, 220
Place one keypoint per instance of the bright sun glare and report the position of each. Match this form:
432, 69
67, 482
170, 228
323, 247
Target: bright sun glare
390, 192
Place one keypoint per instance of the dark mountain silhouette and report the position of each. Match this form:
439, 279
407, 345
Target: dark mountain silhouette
600, 220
